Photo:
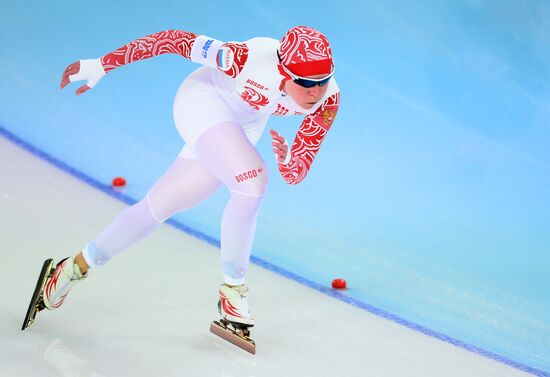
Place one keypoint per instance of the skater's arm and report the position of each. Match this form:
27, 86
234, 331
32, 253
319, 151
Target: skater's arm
164, 42
228, 57
294, 165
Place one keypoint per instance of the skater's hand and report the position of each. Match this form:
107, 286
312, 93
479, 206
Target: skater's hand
280, 147
90, 70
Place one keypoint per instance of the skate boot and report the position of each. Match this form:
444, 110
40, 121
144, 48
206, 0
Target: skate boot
236, 319
233, 305
66, 275
52, 287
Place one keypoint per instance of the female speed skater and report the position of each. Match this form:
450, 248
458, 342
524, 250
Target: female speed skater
220, 111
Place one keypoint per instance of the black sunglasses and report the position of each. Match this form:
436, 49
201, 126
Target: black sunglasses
306, 83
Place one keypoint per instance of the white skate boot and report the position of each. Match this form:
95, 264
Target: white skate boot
66, 275
236, 319
233, 305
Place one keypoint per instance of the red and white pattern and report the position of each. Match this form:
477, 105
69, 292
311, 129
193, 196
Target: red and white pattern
164, 42
281, 110
254, 98
305, 52
308, 140
228, 307
51, 287
240, 56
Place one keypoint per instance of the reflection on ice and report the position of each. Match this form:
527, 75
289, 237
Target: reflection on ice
66, 363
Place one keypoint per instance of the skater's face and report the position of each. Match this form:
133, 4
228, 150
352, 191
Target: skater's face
306, 97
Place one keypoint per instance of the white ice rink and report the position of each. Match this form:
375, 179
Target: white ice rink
147, 313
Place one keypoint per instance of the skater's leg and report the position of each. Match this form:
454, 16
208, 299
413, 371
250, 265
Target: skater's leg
225, 150
228, 154
186, 184
130, 226
215, 137
183, 186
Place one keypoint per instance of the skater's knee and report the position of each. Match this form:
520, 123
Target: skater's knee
252, 182
158, 209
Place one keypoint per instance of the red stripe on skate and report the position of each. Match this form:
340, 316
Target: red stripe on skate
52, 283
228, 307
61, 299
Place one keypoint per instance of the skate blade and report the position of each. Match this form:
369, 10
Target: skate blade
241, 341
36, 303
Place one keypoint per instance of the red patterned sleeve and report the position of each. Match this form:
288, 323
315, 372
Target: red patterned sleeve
308, 140
164, 42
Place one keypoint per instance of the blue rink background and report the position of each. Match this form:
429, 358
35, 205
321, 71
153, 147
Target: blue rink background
431, 194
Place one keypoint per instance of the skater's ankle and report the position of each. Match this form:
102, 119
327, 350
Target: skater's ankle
81, 262
233, 285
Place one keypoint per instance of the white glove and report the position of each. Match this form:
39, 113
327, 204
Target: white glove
90, 70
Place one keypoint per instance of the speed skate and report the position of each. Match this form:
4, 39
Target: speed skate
236, 333
37, 301
236, 321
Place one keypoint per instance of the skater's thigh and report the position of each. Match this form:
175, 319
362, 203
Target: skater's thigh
186, 183
227, 152
197, 107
